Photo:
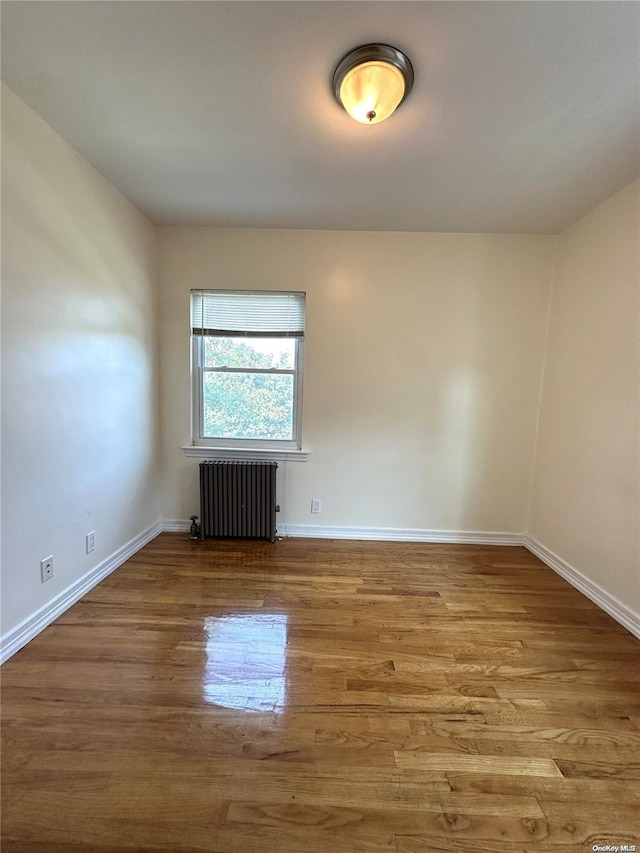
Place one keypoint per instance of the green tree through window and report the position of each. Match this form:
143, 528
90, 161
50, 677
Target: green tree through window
248, 405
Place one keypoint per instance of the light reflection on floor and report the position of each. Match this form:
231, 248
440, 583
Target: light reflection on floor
246, 658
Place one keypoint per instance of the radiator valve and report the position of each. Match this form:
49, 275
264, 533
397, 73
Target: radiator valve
194, 530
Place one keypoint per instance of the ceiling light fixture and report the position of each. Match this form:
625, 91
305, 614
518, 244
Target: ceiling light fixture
372, 81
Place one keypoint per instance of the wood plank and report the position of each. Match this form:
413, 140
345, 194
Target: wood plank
445, 762
555, 789
624, 769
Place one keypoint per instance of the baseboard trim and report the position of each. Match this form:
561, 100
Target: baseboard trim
381, 534
605, 601
401, 534
175, 525
17, 637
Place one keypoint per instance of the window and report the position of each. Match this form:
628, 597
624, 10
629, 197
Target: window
247, 352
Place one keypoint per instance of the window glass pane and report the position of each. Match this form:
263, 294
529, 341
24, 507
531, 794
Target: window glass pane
250, 352
248, 405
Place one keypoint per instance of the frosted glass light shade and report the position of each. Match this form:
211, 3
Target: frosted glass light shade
371, 92
372, 81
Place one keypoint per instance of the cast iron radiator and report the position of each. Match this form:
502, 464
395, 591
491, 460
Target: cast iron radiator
238, 499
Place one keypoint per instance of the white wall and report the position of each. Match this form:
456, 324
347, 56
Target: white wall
585, 504
423, 367
79, 377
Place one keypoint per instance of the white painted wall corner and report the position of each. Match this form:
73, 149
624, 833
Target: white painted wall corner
628, 618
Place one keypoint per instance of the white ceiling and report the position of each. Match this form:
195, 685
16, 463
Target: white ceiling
523, 116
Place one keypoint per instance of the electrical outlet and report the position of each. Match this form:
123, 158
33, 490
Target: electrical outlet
316, 504
46, 569
90, 541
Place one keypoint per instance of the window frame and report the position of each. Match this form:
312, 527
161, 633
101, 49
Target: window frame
198, 371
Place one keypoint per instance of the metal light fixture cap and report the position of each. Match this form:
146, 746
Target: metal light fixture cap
372, 53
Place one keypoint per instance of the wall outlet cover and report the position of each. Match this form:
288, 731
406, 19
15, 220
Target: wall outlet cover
90, 540
46, 569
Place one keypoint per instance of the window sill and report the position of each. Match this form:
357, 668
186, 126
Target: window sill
201, 451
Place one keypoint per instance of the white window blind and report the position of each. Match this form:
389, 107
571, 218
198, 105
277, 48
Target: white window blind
247, 313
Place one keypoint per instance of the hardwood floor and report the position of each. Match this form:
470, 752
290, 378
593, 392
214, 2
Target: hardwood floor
318, 696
